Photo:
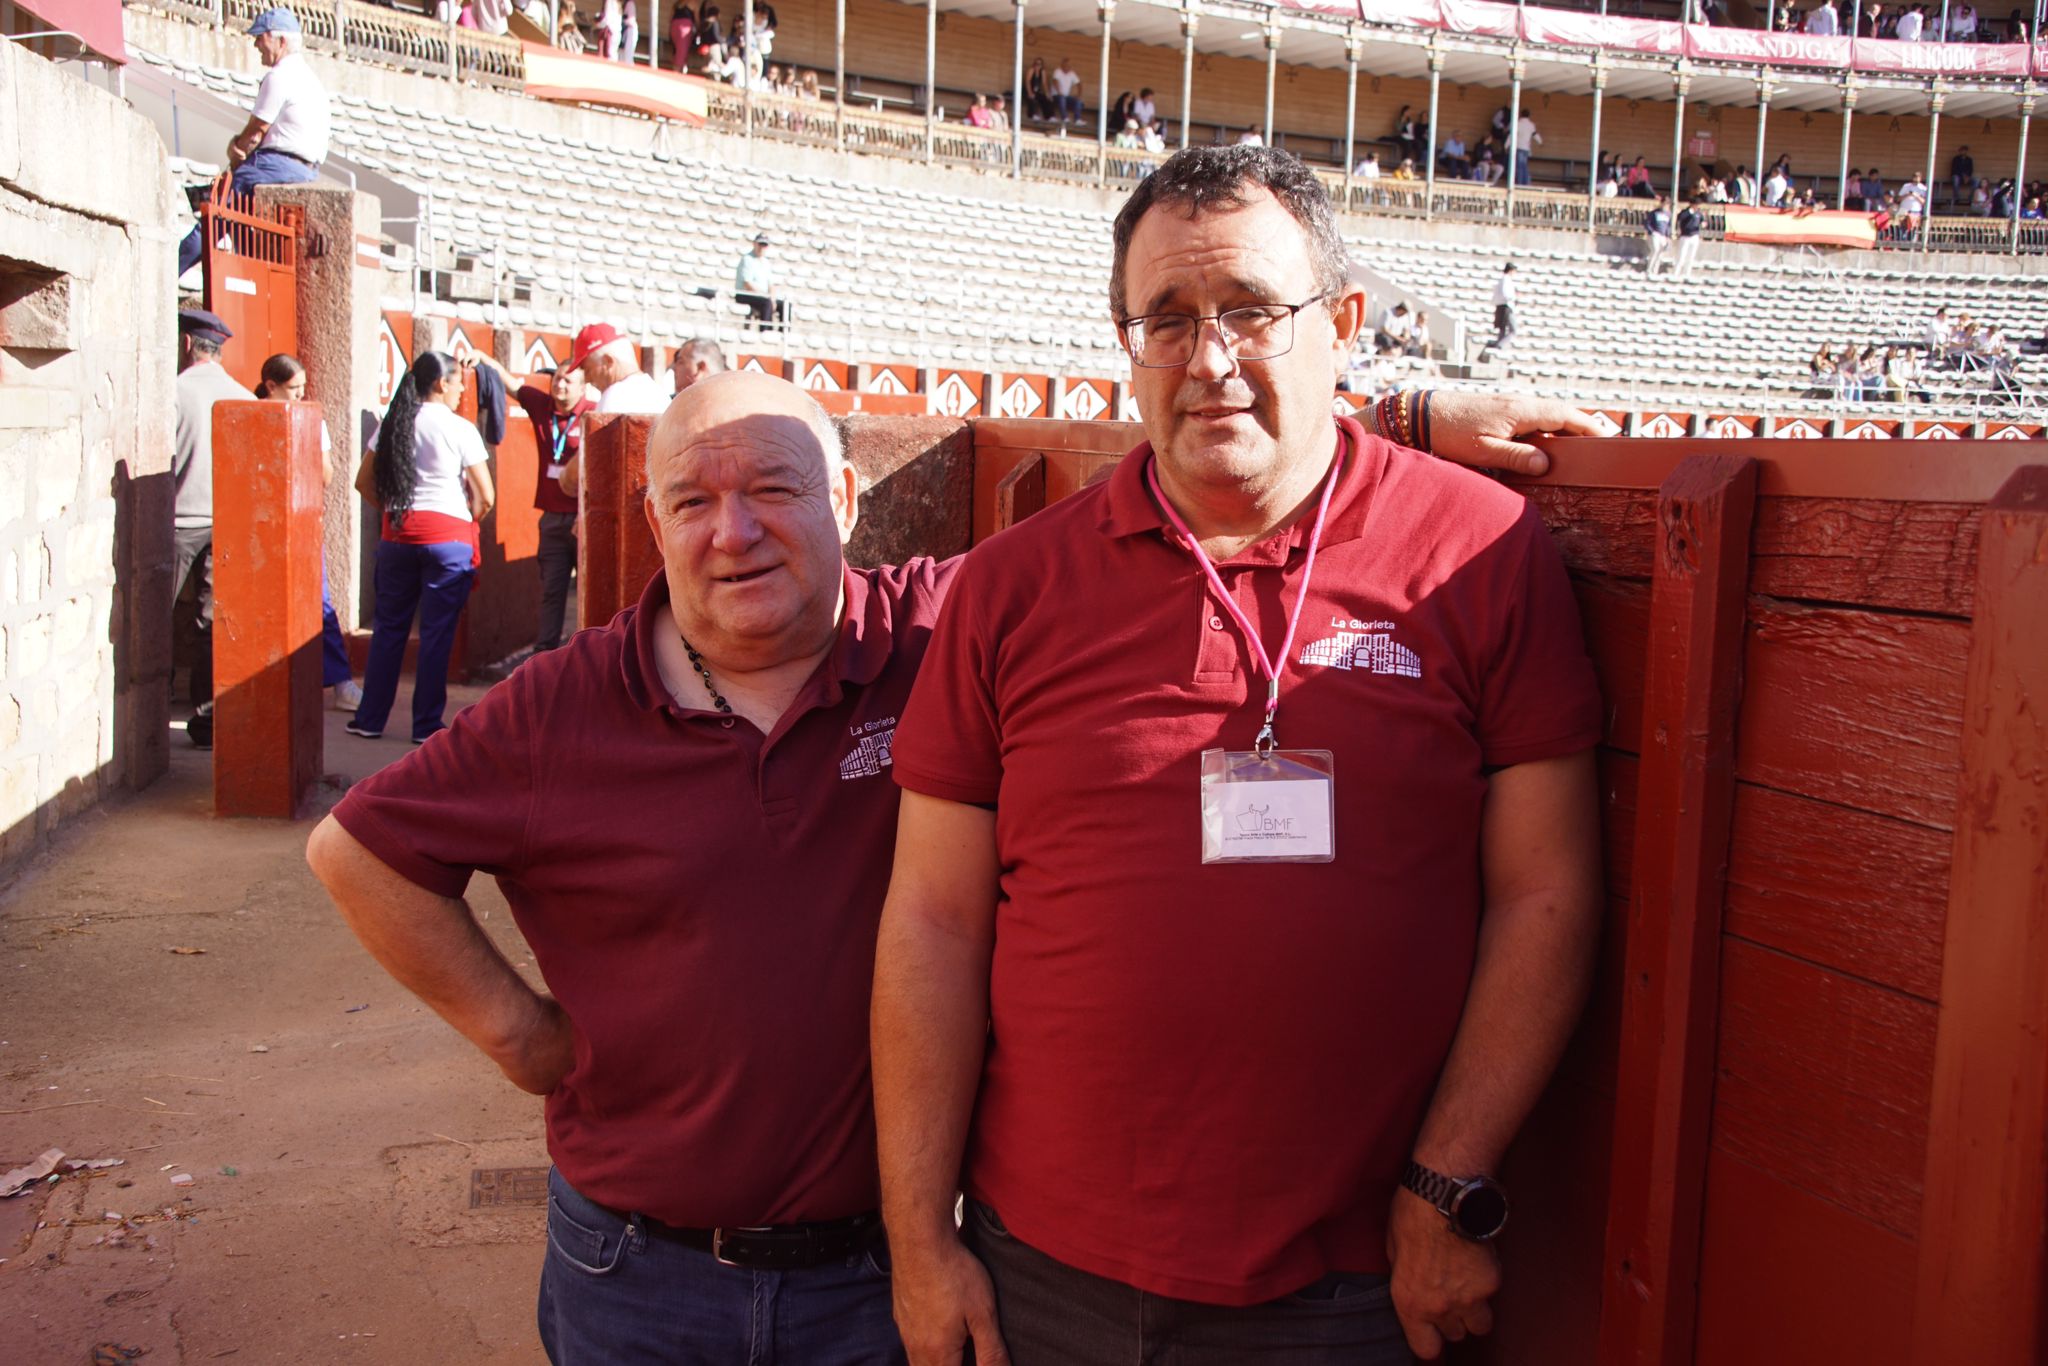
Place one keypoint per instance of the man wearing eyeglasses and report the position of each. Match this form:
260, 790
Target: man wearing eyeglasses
1241, 913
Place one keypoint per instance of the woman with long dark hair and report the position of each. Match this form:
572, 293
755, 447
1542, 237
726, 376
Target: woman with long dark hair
284, 380
431, 478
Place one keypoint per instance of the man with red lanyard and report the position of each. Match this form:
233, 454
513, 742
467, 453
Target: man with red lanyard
557, 437
1239, 914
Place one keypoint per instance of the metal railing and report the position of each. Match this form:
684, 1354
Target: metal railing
373, 33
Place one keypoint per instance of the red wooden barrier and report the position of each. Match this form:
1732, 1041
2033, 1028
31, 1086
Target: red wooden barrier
615, 550
249, 273
267, 493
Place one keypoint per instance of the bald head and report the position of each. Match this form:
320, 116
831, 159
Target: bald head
731, 397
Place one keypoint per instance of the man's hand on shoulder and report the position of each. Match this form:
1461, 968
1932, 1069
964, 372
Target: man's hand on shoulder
537, 1058
1485, 430
1442, 1283
944, 1300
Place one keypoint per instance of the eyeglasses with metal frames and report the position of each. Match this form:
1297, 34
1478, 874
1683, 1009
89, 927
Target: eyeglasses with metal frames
1162, 341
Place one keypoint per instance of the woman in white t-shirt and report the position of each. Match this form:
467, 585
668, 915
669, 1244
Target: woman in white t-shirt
430, 475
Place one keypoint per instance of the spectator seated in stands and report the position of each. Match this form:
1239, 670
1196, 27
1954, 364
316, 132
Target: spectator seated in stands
1066, 92
285, 139
1368, 167
1962, 23
754, 286
1907, 27
807, 88
1143, 109
978, 114
1638, 182
1486, 170
1821, 21
1451, 158
1396, 332
1129, 139
568, 36
1037, 93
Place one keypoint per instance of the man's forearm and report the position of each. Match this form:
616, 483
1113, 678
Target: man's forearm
431, 944
930, 1031
1529, 983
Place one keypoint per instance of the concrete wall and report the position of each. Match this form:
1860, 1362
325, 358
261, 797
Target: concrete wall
87, 340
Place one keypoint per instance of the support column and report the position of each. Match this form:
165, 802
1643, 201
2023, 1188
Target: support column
1189, 20
839, 73
1106, 11
1764, 88
1593, 180
1271, 29
2019, 175
1842, 173
747, 90
931, 81
1937, 95
1516, 69
1436, 84
1681, 82
1353, 43
1017, 98
266, 583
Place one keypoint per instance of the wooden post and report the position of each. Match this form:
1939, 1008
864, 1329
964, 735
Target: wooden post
1685, 803
615, 552
1984, 1211
266, 580
1021, 492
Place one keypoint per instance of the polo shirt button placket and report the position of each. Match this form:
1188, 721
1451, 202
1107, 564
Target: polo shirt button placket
1215, 623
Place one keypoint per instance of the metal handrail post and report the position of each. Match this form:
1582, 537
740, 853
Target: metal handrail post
1436, 82
1017, 97
1106, 9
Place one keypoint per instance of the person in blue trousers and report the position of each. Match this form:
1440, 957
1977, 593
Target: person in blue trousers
284, 380
430, 474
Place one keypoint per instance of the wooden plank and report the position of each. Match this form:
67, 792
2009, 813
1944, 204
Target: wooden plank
1615, 614
1600, 531
1823, 1081
1684, 805
1905, 471
1865, 895
1021, 492
1984, 1224
1787, 1278
1917, 557
1057, 434
1863, 709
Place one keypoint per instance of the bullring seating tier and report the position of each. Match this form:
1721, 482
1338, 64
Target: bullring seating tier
890, 273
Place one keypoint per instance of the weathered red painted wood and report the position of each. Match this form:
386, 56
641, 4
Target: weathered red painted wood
1984, 1223
1021, 492
1862, 894
615, 551
1918, 557
1907, 471
267, 736
1786, 1279
1615, 614
1823, 1081
1684, 802
1600, 531
1863, 709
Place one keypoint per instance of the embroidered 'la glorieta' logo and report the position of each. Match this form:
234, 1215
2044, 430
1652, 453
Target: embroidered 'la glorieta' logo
1366, 646
872, 743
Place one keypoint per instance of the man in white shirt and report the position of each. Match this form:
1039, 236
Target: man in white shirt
1526, 140
1962, 23
1820, 20
1504, 308
611, 366
1142, 108
1775, 189
1910, 25
202, 382
1066, 85
285, 140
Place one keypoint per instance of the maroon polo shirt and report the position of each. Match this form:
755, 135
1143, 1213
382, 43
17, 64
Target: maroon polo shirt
701, 898
557, 437
1204, 1080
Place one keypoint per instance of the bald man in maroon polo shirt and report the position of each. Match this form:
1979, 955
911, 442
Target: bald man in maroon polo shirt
690, 813
1241, 909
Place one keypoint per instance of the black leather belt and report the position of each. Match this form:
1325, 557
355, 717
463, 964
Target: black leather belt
279, 151
783, 1247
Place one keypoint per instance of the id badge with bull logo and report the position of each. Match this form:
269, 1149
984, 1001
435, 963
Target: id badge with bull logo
1275, 807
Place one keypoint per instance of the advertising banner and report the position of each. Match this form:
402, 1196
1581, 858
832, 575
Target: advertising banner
1816, 227
1479, 16
1948, 59
1569, 29
1773, 49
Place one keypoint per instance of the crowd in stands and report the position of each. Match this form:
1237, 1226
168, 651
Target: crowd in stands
1915, 23
1959, 351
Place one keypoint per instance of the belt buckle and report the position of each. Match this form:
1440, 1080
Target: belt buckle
718, 1237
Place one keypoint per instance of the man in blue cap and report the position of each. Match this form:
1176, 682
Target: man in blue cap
202, 382
285, 140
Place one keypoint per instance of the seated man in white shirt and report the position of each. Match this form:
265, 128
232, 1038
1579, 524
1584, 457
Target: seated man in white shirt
285, 140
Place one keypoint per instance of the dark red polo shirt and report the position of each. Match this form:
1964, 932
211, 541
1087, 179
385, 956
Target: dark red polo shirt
556, 438
701, 898
1204, 1080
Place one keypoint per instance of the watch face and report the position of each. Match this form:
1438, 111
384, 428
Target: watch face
1481, 1210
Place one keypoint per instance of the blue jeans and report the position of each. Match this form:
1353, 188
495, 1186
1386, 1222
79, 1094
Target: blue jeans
260, 167
1521, 168
432, 580
1069, 107
334, 667
610, 1295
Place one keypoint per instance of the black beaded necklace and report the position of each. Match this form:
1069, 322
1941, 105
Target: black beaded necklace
697, 663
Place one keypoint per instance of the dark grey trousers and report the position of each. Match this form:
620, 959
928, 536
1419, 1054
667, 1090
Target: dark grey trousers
1054, 1315
557, 556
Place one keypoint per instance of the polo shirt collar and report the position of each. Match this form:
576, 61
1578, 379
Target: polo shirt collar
1130, 510
859, 651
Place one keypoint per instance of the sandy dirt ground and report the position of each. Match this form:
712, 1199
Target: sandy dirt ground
333, 1128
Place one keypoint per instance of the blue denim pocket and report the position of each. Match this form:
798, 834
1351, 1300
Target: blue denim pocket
593, 1251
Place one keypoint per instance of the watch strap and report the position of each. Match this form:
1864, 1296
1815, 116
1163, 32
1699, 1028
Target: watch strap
1432, 1186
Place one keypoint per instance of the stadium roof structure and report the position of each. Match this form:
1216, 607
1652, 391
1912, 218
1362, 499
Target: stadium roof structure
1477, 40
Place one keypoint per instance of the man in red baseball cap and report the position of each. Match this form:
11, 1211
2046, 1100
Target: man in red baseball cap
611, 364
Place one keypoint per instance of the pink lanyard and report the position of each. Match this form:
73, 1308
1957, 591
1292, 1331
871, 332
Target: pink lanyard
1269, 666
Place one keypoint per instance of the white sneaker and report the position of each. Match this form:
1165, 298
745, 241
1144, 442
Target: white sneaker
347, 696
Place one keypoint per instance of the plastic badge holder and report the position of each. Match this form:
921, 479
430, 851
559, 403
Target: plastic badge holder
1276, 807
